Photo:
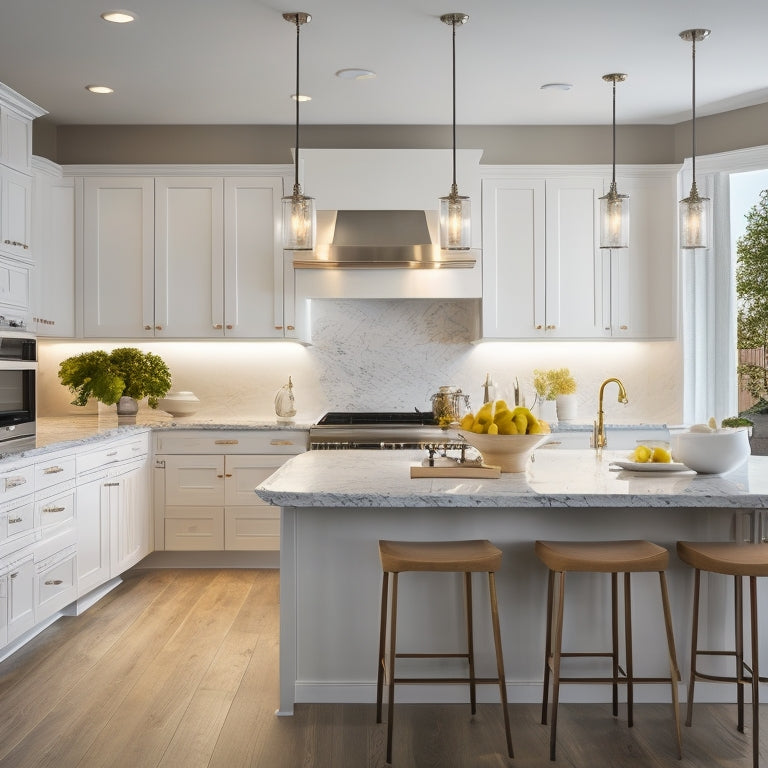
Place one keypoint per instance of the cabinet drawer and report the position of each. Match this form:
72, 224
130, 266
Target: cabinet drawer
113, 453
20, 519
55, 511
55, 583
232, 442
194, 529
252, 529
55, 471
16, 483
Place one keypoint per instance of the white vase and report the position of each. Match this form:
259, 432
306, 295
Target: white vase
547, 411
567, 408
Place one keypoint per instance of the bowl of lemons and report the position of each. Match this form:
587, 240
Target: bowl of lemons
505, 437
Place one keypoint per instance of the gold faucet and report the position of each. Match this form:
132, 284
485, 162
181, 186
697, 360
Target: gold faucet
599, 439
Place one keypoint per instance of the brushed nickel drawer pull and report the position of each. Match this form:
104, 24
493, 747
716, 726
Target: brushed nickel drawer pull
12, 520
111, 453
53, 470
53, 582
226, 442
53, 509
14, 575
281, 442
111, 485
14, 482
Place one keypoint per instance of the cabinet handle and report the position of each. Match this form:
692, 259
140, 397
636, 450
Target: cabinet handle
226, 442
551, 327
281, 442
230, 326
158, 327
53, 582
227, 474
623, 327
53, 470
111, 453
290, 328
278, 327
14, 575
14, 482
219, 475
217, 326
538, 327
53, 509
147, 327
111, 485
12, 520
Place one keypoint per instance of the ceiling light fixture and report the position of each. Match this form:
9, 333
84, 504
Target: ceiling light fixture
299, 221
614, 207
99, 89
119, 17
556, 87
301, 97
454, 232
353, 73
694, 210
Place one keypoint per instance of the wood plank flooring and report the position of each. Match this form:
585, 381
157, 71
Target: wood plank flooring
179, 669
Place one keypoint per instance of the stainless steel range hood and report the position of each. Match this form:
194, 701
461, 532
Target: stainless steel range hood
383, 239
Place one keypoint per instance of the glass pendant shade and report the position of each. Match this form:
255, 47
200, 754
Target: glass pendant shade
454, 223
299, 222
614, 219
695, 213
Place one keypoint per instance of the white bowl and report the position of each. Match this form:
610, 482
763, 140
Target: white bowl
510, 452
179, 403
711, 452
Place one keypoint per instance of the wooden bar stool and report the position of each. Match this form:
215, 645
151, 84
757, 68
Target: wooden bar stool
737, 560
612, 557
465, 557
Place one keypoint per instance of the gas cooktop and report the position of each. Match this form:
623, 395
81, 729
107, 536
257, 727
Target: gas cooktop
351, 418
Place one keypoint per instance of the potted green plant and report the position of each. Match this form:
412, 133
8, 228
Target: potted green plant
555, 394
122, 376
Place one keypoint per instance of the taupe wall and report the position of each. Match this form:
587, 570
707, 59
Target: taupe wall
516, 144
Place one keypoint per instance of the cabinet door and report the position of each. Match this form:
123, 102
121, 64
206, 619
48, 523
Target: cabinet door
15, 289
196, 481
21, 598
16, 215
130, 519
189, 257
513, 258
574, 289
92, 535
15, 140
118, 257
253, 258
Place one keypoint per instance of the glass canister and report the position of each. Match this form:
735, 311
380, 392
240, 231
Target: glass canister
449, 404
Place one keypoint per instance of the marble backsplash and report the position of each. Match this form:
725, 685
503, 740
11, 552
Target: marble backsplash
390, 355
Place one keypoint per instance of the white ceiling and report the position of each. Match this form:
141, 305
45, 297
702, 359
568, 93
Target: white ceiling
233, 61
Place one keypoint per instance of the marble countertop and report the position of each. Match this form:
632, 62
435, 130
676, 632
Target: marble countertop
557, 478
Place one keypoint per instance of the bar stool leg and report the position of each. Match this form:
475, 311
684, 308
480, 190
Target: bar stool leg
470, 642
499, 659
628, 645
558, 647
382, 645
615, 642
674, 672
392, 643
694, 645
755, 673
548, 645
738, 614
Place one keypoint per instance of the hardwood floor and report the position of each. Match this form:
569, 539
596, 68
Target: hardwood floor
178, 669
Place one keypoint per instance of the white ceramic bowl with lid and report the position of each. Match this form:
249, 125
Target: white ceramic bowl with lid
713, 452
180, 403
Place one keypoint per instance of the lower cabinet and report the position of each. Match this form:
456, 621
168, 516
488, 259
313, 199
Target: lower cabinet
21, 597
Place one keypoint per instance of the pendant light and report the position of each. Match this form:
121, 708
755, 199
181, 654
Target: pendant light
299, 224
614, 208
694, 210
454, 231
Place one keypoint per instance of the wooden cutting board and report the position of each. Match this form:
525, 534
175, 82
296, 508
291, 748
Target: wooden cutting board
459, 470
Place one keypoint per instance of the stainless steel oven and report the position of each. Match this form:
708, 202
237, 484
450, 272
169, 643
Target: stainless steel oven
18, 387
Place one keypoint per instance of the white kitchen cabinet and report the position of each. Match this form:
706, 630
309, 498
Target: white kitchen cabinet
92, 535
541, 266
21, 596
53, 248
15, 290
207, 480
118, 257
129, 517
15, 213
190, 257
16, 116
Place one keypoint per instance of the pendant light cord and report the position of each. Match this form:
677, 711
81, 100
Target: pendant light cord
296, 172
454, 189
693, 107
613, 176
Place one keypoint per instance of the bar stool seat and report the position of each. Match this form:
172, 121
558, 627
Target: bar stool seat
468, 557
614, 557
738, 560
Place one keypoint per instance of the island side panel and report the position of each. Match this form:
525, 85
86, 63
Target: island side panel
330, 599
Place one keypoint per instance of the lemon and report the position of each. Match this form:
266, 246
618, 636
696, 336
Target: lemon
661, 455
642, 454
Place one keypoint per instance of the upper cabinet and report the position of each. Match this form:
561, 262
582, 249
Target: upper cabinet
544, 274
183, 257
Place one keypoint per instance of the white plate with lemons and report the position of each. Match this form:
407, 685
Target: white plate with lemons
651, 466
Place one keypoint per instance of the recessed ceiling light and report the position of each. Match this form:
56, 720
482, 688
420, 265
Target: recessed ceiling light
557, 86
119, 17
353, 73
301, 97
99, 89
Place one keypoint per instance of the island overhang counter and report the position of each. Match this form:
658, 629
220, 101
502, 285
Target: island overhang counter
336, 505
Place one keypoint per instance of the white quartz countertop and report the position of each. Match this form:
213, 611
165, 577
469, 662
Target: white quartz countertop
557, 478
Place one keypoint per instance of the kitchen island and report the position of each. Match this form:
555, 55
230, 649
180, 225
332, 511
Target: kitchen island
336, 505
